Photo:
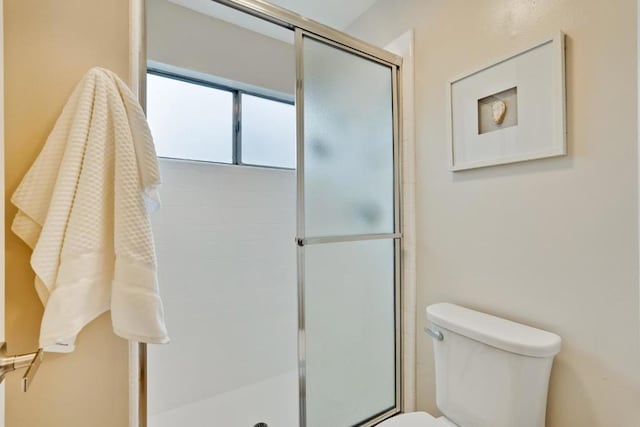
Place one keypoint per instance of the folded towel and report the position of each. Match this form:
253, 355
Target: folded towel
84, 207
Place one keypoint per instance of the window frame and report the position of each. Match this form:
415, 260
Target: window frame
236, 122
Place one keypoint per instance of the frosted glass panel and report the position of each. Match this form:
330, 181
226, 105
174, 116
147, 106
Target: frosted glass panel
190, 121
348, 140
349, 311
268, 132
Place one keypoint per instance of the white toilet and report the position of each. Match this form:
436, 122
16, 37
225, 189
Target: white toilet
490, 372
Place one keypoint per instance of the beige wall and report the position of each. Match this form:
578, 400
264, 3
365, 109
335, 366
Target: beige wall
49, 45
552, 243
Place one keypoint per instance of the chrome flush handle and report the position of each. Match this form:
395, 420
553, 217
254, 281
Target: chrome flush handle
437, 335
31, 361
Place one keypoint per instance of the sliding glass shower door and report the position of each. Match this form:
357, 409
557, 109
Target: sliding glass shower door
348, 235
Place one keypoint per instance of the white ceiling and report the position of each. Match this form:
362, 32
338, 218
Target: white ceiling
334, 13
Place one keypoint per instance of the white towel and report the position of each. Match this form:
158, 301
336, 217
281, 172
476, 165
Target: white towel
84, 207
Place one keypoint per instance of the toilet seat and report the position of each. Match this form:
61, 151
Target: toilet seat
416, 419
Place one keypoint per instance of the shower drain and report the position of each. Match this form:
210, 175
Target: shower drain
261, 425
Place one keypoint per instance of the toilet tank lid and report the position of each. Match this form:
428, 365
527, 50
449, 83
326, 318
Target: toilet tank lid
494, 331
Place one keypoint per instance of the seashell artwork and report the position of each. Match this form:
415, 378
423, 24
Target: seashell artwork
500, 114
499, 111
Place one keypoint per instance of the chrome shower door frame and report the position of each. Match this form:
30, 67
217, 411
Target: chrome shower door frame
342, 43
302, 27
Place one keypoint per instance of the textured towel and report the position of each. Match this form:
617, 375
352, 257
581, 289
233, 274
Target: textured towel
84, 208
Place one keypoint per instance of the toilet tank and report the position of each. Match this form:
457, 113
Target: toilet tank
490, 372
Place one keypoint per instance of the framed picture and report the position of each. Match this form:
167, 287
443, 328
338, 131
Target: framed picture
511, 111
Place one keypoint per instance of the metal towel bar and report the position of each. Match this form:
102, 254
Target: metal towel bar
31, 361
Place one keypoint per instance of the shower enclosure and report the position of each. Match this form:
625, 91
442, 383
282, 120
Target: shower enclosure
348, 233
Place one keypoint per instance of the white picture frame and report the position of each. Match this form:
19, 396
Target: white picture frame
531, 84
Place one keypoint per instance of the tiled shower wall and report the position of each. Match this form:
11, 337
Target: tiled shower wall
227, 263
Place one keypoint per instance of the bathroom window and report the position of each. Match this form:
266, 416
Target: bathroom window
196, 120
268, 132
189, 120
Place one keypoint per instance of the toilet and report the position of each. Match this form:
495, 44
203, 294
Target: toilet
490, 372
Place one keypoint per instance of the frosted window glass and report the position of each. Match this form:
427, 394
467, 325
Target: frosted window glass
350, 324
348, 143
190, 121
268, 132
